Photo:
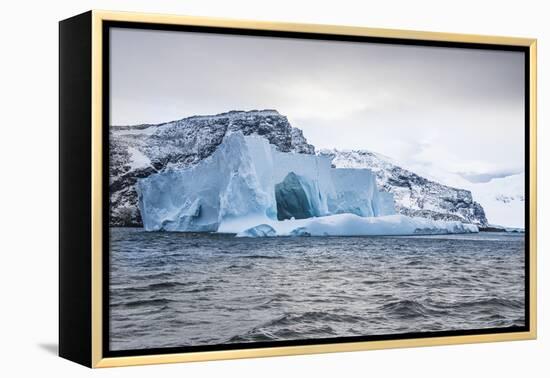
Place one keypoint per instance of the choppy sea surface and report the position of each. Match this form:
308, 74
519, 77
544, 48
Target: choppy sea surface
181, 289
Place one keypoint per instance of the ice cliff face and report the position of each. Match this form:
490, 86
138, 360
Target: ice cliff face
248, 181
139, 151
414, 195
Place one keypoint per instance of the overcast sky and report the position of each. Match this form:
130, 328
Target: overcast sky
431, 109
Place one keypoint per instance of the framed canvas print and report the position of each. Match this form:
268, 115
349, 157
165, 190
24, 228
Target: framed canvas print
235, 189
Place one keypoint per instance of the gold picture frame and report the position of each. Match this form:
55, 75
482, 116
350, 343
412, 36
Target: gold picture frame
88, 330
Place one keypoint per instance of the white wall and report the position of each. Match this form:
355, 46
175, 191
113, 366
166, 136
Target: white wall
28, 207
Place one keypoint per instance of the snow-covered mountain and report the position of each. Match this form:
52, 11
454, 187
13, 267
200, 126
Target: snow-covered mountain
414, 195
138, 151
503, 200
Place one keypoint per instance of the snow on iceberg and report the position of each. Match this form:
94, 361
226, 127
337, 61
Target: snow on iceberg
247, 184
354, 225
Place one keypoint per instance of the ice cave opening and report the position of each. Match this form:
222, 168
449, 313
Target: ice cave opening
291, 198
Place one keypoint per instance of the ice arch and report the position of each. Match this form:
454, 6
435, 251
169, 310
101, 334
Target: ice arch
293, 199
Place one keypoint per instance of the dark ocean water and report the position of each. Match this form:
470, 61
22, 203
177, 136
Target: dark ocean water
177, 289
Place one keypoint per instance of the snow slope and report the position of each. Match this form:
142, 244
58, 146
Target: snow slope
503, 200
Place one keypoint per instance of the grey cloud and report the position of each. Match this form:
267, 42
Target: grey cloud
467, 103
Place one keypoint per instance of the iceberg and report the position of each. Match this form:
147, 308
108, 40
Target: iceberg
250, 188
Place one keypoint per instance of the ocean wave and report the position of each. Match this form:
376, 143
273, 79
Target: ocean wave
495, 302
273, 334
288, 326
198, 289
406, 284
490, 303
409, 309
256, 335
243, 267
150, 276
168, 285
277, 298
311, 317
143, 303
263, 257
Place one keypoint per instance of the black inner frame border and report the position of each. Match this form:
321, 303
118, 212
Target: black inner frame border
107, 25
